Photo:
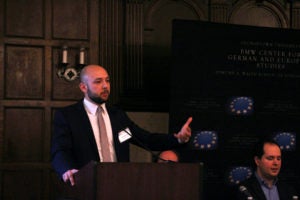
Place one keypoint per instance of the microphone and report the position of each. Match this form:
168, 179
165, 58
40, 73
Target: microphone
245, 191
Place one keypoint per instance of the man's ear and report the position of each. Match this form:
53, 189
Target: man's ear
256, 160
82, 87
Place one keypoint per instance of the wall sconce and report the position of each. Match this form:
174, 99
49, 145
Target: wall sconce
71, 73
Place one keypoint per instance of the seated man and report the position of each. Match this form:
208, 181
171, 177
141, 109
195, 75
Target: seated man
265, 184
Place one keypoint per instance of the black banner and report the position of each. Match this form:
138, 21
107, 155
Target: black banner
239, 83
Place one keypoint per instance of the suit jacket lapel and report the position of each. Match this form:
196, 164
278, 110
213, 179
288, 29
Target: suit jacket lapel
257, 189
86, 126
260, 193
116, 125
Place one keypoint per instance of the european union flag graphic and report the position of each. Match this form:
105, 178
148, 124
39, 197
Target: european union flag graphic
240, 106
239, 174
286, 140
206, 140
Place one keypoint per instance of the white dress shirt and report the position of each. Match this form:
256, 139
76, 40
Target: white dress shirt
91, 110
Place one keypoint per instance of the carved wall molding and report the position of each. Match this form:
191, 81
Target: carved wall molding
219, 12
260, 13
111, 43
295, 15
194, 6
148, 31
134, 45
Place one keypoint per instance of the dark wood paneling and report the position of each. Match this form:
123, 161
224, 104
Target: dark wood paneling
24, 72
70, 19
24, 19
31, 87
22, 184
24, 135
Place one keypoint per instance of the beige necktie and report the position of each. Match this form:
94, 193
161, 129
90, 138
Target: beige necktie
103, 136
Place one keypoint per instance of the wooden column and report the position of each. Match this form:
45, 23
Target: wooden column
111, 43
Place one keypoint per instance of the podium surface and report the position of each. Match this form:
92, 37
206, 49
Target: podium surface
135, 181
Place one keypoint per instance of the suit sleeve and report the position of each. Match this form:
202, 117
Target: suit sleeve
142, 137
61, 147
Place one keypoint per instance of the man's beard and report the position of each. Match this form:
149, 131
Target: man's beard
95, 98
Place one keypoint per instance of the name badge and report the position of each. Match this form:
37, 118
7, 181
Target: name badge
124, 135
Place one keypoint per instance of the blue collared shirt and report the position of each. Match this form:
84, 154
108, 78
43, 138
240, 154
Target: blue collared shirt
271, 193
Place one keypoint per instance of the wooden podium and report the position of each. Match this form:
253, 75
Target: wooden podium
136, 181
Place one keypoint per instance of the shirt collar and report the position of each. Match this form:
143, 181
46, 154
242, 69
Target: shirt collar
92, 107
263, 182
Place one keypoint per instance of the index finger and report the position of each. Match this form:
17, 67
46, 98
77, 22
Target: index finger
71, 179
187, 123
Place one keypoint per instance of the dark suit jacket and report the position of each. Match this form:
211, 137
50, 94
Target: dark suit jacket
73, 144
285, 191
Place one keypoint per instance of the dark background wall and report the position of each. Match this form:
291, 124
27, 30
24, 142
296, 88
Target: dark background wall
131, 38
